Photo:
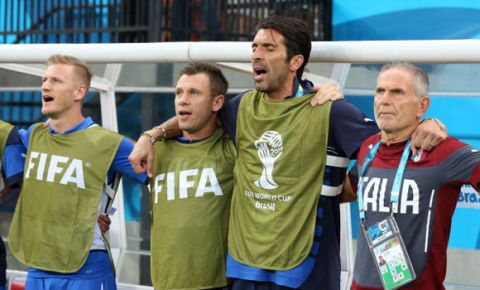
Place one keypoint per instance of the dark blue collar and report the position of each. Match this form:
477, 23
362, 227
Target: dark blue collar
184, 139
301, 88
87, 122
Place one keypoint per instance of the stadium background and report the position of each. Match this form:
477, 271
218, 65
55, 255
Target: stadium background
146, 97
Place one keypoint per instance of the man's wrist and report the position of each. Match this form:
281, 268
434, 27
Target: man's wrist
155, 134
150, 137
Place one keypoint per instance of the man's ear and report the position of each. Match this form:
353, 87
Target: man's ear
218, 102
81, 93
423, 105
296, 62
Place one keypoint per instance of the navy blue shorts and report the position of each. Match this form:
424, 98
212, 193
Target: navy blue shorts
95, 274
239, 284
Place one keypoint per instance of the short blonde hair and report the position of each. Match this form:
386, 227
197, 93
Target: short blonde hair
81, 67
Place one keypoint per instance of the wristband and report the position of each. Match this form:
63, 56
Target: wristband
152, 140
164, 133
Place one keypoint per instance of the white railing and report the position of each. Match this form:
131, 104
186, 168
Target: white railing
424, 51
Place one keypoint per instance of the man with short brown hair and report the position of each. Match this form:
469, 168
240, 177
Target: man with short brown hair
191, 188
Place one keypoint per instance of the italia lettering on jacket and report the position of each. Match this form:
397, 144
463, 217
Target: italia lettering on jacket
169, 182
56, 168
375, 192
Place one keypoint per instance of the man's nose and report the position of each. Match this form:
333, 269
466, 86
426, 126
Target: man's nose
45, 86
257, 55
383, 98
184, 99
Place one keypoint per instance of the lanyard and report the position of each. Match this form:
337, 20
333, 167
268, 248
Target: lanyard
299, 92
397, 182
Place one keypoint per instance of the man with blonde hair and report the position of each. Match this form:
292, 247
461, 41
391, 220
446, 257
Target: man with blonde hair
69, 164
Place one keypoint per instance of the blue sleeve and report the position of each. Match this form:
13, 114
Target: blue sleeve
25, 136
228, 116
122, 165
348, 128
13, 159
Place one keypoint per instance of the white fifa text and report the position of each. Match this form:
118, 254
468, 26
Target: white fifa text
170, 183
56, 168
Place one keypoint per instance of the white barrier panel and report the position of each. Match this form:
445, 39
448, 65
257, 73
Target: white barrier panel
468, 198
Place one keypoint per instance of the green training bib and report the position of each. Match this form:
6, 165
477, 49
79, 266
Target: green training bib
278, 179
190, 198
54, 221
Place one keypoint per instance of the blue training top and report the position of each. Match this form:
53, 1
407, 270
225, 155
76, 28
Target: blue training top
13, 159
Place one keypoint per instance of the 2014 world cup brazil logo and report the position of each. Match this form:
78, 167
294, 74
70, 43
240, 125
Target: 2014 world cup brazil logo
269, 148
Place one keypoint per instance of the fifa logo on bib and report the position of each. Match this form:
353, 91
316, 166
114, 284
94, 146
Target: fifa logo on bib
269, 148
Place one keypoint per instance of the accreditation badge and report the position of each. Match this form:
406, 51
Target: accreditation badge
389, 254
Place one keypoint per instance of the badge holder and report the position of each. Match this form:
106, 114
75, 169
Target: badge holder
389, 254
